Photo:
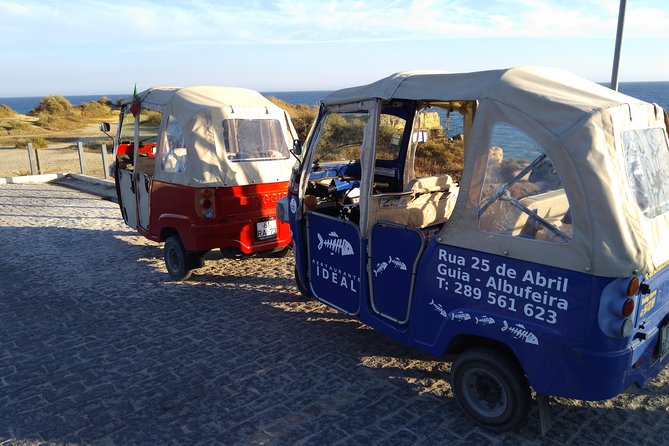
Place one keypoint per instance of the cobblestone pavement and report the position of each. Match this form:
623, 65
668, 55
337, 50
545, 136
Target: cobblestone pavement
97, 346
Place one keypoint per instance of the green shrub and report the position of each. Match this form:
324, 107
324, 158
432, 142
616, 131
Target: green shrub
301, 115
150, 118
6, 112
57, 113
18, 126
58, 123
94, 146
104, 100
38, 142
54, 106
440, 155
95, 109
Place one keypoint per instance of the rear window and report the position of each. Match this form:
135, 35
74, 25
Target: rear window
647, 162
254, 140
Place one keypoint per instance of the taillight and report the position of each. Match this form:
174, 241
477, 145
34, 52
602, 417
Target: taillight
626, 328
633, 286
206, 203
628, 307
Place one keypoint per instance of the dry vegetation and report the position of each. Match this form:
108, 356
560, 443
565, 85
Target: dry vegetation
302, 115
56, 123
54, 120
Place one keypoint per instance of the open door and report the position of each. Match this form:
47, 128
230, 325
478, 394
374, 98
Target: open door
334, 261
144, 170
127, 199
394, 250
135, 162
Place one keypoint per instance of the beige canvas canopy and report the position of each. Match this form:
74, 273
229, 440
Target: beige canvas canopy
580, 125
214, 126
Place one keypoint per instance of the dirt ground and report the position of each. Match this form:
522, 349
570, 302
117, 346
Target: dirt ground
61, 156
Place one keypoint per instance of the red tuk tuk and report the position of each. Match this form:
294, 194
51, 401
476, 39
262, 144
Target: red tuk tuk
201, 168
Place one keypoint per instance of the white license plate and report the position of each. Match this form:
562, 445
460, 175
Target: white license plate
266, 229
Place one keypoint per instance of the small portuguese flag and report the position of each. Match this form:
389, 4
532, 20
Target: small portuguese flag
136, 105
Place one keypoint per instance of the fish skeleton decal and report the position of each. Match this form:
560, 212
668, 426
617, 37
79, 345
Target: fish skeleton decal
459, 316
336, 244
439, 309
484, 320
520, 332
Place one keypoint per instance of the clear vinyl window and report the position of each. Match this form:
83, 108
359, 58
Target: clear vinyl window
173, 151
522, 194
647, 163
341, 137
254, 140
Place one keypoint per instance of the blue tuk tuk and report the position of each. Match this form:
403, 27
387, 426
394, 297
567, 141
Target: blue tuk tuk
539, 262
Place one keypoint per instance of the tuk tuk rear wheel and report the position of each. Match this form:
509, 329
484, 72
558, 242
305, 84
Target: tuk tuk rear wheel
491, 389
176, 259
303, 291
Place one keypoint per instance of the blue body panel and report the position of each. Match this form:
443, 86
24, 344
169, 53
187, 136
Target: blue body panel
429, 294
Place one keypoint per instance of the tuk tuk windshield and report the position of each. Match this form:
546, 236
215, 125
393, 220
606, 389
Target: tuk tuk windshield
340, 138
254, 140
149, 123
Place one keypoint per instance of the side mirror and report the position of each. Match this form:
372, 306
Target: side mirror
105, 128
297, 147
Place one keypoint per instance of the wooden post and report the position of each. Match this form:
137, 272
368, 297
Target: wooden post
105, 171
82, 164
39, 168
31, 158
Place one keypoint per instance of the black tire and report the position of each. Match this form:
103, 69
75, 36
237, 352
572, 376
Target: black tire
491, 389
279, 254
176, 259
303, 291
195, 259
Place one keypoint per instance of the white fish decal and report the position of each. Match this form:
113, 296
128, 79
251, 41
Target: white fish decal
394, 261
397, 263
460, 315
336, 244
484, 320
439, 309
520, 332
381, 267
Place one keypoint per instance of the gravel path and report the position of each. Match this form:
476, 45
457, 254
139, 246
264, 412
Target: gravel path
97, 346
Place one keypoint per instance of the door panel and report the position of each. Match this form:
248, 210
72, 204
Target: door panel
128, 200
143, 198
394, 250
334, 261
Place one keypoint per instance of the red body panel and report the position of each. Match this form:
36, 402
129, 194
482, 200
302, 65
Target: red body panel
127, 148
237, 209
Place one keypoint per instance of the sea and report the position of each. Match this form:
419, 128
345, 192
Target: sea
26, 104
657, 92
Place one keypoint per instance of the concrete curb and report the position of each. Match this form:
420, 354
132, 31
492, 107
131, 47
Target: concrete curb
105, 189
48, 177
27, 179
92, 180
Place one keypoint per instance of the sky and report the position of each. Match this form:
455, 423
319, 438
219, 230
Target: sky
83, 47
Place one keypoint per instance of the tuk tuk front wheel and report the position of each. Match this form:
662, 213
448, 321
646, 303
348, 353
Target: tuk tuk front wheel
491, 389
176, 259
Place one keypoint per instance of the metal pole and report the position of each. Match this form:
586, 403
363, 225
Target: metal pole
31, 158
104, 161
82, 164
619, 44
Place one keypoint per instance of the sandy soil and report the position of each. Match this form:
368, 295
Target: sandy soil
61, 156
